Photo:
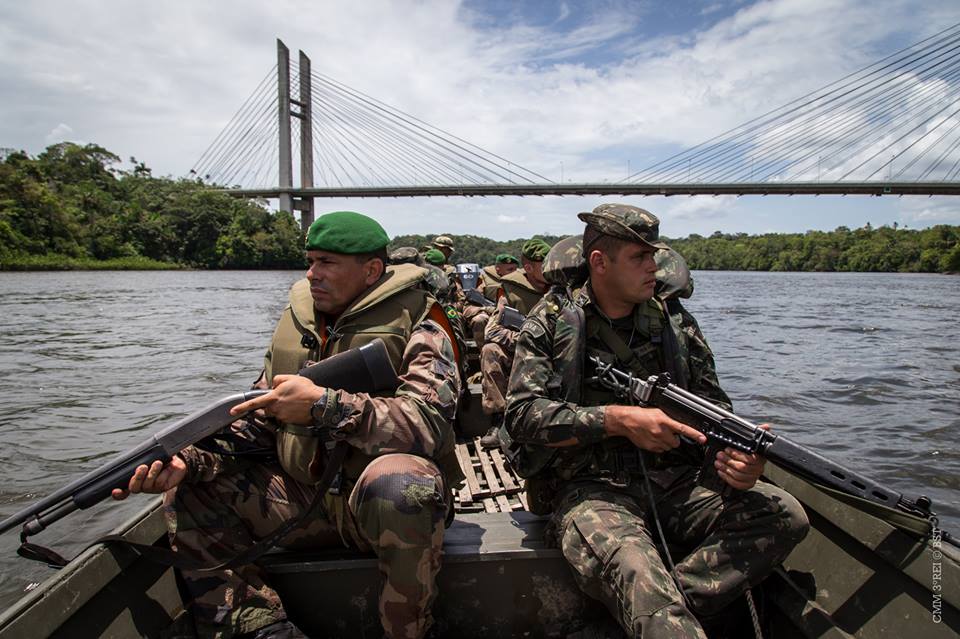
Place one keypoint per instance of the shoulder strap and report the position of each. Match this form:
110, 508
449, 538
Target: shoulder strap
615, 343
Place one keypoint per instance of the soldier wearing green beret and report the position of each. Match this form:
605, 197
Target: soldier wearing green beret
521, 290
400, 444
435, 257
613, 475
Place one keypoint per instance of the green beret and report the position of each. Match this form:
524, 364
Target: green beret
435, 257
506, 258
535, 250
346, 232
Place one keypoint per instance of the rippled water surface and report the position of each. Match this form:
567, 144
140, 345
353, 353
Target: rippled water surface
864, 367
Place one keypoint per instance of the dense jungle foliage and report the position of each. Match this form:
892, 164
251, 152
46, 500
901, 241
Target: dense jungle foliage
884, 249
71, 207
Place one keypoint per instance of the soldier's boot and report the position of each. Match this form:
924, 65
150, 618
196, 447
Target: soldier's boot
277, 630
492, 438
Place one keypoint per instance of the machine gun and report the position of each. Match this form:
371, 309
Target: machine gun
724, 429
364, 369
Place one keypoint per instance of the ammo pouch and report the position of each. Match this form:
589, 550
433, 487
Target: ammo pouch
540, 494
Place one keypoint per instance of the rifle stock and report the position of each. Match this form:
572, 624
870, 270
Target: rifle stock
474, 296
367, 368
511, 318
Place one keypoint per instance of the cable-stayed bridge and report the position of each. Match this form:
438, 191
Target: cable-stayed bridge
891, 128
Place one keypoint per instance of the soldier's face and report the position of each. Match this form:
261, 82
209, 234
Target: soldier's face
336, 279
534, 271
632, 275
505, 269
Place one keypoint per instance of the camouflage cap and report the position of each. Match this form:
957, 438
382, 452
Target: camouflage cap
673, 276
535, 250
435, 257
626, 222
565, 264
444, 241
406, 255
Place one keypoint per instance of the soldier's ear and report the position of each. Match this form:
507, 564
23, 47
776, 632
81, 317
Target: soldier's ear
597, 261
372, 270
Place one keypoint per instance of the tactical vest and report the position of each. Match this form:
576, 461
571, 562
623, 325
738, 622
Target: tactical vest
519, 292
568, 328
491, 282
389, 310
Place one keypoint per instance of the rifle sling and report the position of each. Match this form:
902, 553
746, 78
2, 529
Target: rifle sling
168, 557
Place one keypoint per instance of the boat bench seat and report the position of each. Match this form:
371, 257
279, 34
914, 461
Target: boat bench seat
498, 579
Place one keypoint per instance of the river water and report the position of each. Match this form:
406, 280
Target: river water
864, 367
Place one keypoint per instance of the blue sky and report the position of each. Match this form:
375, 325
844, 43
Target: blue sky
591, 86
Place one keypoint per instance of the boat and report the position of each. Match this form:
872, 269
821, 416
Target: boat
856, 574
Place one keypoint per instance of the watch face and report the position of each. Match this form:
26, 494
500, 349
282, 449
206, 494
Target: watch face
316, 411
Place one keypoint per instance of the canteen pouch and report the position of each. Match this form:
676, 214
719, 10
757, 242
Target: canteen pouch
299, 449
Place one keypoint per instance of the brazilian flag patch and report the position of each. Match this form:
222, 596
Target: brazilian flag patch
452, 313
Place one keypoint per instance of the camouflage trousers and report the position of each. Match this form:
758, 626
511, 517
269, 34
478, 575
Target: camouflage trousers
725, 544
495, 364
476, 317
396, 510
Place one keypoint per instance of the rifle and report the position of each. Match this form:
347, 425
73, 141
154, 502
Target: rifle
474, 296
364, 369
724, 429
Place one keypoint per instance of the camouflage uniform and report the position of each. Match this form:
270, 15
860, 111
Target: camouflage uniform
602, 519
476, 317
496, 354
394, 500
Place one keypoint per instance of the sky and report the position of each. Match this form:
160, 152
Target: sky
586, 89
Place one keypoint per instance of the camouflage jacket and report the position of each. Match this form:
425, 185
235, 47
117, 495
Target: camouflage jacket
549, 399
416, 419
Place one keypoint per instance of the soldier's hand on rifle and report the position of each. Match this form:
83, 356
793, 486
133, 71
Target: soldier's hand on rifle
290, 400
648, 428
739, 469
156, 478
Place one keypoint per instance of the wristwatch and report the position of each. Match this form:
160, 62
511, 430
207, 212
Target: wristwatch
316, 411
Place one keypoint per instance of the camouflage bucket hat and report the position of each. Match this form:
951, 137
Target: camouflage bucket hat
626, 222
443, 240
565, 264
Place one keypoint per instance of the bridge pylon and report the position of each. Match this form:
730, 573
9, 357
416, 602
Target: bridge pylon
288, 200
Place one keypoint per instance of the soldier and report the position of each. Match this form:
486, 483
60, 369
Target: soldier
396, 482
444, 244
614, 475
476, 316
436, 258
521, 290
504, 264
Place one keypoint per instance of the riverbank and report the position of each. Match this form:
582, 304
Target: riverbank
66, 263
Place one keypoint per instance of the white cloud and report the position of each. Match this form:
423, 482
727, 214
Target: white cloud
60, 133
511, 219
160, 81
